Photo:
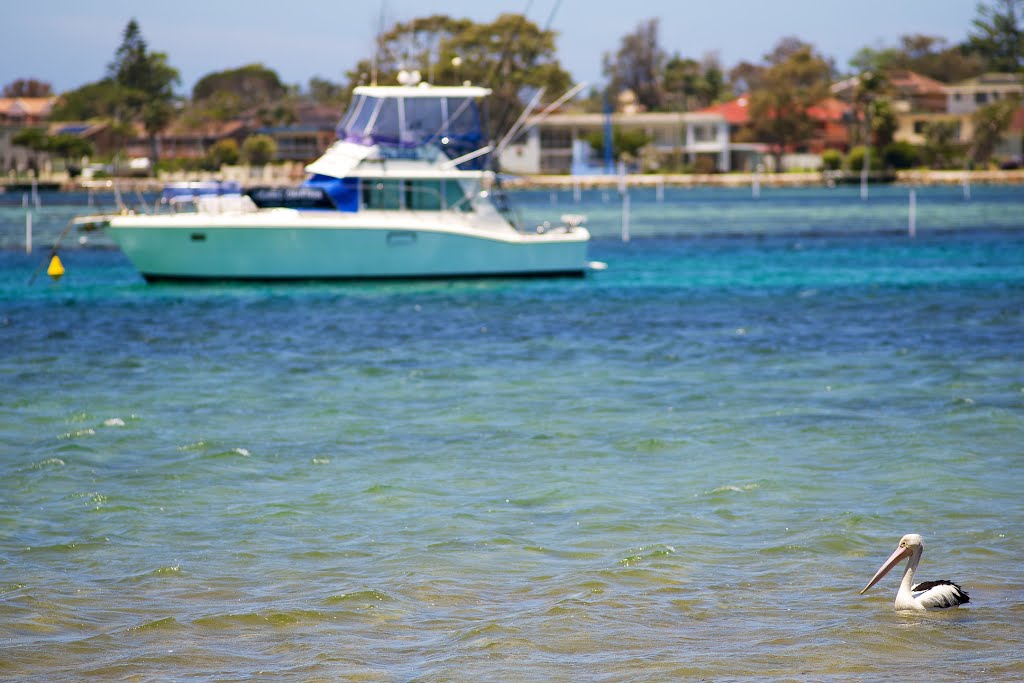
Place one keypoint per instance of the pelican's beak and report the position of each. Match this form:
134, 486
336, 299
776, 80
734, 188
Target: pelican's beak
894, 559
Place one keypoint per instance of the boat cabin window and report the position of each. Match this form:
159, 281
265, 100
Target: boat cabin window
382, 194
453, 123
423, 118
362, 116
417, 195
386, 128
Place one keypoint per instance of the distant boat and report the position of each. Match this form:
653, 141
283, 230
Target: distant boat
404, 192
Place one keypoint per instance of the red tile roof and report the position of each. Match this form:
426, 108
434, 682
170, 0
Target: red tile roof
737, 112
912, 82
34, 107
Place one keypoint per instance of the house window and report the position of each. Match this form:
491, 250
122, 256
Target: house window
919, 127
702, 133
956, 97
554, 138
980, 98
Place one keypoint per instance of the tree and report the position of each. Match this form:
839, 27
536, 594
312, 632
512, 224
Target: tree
97, 100
990, 124
258, 150
929, 56
997, 35
746, 77
424, 44
940, 147
33, 138
69, 148
871, 88
64, 145
689, 84
145, 85
638, 66
323, 91
511, 55
236, 90
796, 79
28, 87
884, 123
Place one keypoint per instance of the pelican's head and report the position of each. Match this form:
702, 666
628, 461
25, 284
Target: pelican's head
912, 541
910, 544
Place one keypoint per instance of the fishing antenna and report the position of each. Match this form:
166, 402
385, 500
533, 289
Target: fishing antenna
572, 92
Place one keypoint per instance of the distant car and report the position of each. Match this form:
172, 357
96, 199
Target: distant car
1011, 164
96, 171
139, 166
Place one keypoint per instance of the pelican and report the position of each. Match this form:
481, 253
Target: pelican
919, 596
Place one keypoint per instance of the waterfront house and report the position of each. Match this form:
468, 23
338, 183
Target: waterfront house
308, 137
560, 143
968, 96
17, 113
913, 92
831, 129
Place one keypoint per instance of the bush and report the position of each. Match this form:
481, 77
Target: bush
223, 152
855, 160
901, 155
259, 149
831, 159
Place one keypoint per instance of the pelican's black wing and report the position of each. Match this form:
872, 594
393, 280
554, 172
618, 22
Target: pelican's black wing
940, 593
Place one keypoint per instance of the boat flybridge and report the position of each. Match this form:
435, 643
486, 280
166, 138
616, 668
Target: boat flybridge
404, 192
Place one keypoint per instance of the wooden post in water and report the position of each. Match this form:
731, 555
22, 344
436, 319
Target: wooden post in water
864, 172
912, 216
660, 192
35, 192
625, 216
624, 193
28, 232
967, 186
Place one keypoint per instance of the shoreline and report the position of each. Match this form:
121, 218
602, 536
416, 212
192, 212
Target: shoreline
736, 180
539, 182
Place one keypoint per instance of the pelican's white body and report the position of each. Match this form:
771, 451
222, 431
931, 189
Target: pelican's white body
919, 596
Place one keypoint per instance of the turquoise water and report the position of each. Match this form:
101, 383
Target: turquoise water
683, 467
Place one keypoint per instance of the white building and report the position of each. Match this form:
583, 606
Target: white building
548, 145
972, 94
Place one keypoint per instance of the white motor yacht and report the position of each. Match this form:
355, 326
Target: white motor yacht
404, 192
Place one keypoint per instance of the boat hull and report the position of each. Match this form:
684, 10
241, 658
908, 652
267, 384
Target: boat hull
187, 247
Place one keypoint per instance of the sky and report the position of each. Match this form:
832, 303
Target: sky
70, 42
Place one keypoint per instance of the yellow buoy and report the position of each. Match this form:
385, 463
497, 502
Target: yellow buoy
56, 268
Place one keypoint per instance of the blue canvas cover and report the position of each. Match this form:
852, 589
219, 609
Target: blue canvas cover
344, 192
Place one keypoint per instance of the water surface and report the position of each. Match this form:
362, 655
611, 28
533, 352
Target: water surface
683, 467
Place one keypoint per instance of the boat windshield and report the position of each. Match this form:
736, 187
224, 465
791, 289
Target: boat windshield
449, 122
